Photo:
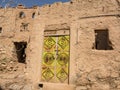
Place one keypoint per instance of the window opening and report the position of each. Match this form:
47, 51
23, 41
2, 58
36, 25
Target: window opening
102, 41
33, 15
21, 15
20, 51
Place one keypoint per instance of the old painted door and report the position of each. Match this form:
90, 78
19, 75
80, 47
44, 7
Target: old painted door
55, 58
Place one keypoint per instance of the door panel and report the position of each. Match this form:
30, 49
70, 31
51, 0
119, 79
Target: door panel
55, 59
48, 59
63, 59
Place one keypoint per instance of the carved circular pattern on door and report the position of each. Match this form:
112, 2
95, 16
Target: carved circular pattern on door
49, 58
63, 58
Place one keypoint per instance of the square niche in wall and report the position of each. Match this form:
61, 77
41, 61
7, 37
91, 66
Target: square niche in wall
102, 41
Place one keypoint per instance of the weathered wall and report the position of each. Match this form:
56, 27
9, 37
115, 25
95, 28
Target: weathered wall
97, 69
77, 9
90, 69
12, 72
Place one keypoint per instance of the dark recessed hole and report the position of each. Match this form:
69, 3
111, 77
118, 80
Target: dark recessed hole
21, 15
40, 85
0, 29
71, 2
49, 5
1, 88
33, 15
102, 41
20, 51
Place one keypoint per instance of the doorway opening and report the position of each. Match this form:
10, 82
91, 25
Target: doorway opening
20, 51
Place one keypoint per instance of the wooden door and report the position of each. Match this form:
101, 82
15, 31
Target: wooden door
55, 59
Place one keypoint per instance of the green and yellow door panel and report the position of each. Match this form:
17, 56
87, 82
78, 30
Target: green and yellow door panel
55, 58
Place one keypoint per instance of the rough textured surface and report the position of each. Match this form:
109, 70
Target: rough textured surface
89, 69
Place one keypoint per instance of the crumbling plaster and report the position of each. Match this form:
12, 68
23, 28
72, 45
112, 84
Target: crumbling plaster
89, 68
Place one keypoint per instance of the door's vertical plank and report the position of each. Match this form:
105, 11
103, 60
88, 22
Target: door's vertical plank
48, 59
63, 59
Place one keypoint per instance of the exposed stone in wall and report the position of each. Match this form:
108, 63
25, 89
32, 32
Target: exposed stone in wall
100, 79
15, 82
12, 73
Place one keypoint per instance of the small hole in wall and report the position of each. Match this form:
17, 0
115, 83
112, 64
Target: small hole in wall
49, 5
102, 41
33, 15
0, 29
20, 51
71, 2
40, 85
21, 15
